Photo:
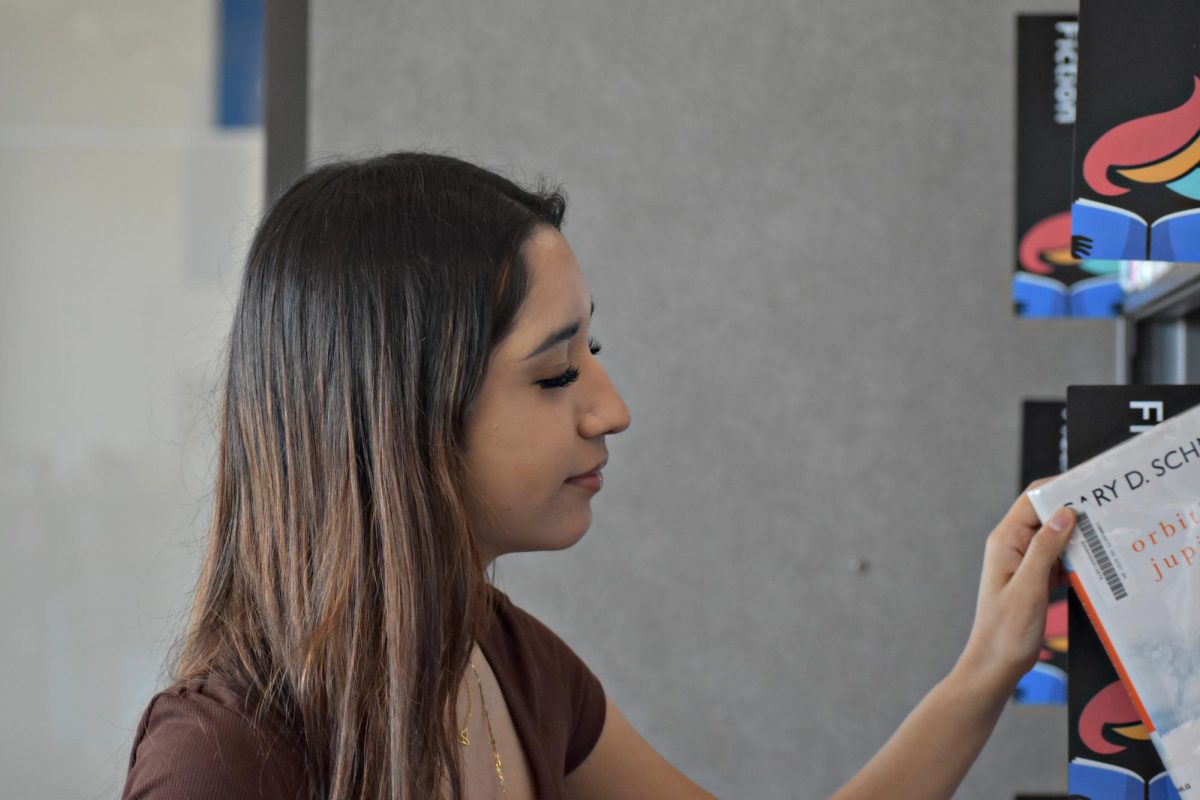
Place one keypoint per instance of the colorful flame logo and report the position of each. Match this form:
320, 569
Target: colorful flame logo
1046, 245
1110, 710
1055, 639
1161, 148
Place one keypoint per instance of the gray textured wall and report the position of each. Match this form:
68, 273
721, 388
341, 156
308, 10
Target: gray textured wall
796, 220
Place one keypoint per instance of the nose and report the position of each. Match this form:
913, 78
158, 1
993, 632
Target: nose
606, 411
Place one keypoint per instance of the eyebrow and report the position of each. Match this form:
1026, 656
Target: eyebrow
561, 335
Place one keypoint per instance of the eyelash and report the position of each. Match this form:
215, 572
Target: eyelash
572, 373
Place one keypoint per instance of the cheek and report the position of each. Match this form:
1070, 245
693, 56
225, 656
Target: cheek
522, 463
521, 469
532, 434
528, 472
521, 447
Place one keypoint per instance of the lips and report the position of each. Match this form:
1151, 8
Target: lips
592, 480
591, 471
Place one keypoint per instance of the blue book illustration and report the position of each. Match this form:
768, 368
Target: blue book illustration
1042, 296
1045, 684
1100, 230
1095, 780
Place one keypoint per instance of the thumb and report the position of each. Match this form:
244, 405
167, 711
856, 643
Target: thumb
1046, 546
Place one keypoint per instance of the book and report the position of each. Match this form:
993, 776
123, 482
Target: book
1130, 562
1109, 749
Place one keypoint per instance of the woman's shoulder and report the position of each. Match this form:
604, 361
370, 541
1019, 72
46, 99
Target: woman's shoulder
198, 739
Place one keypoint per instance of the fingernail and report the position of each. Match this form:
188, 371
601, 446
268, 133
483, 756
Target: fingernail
1060, 520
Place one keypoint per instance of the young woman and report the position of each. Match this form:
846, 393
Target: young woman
411, 393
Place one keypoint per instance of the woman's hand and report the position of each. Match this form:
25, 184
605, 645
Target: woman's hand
1020, 567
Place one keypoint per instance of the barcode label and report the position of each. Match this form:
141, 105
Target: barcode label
1095, 545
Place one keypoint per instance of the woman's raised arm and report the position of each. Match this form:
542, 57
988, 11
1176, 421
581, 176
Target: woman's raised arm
936, 744
933, 748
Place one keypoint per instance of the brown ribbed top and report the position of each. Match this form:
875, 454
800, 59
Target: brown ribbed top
197, 741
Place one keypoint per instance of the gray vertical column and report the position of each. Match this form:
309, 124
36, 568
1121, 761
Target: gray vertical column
1158, 340
1191, 356
285, 92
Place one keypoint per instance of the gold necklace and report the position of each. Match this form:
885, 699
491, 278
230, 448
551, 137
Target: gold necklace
488, 720
463, 739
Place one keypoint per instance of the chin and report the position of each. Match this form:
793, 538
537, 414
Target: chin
559, 538
566, 542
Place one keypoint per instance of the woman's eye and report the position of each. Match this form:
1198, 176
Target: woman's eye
572, 373
562, 380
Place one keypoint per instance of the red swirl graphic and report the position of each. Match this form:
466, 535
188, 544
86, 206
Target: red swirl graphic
1046, 244
1142, 141
1110, 706
1055, 638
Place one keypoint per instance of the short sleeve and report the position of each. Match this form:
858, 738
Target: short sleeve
560, 687
590, 706
188, 745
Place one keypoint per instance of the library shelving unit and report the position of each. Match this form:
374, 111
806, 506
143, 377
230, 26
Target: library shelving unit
1158, 335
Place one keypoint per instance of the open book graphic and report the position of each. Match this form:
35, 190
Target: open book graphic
1095, 779
1134, 561
1102, 231
1043, 296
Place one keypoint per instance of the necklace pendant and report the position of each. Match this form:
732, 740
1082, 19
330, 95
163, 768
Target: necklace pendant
462, 738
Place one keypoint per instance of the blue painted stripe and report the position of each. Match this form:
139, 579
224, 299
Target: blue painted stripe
240, 73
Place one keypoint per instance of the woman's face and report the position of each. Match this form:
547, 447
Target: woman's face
525, 437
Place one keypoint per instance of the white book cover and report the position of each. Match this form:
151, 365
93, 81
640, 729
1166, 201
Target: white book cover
1134, 560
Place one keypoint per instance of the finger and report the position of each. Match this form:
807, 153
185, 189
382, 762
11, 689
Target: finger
1006, 549
1021, 512
1044, 550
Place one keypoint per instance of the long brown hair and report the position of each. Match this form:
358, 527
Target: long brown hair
342, 590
